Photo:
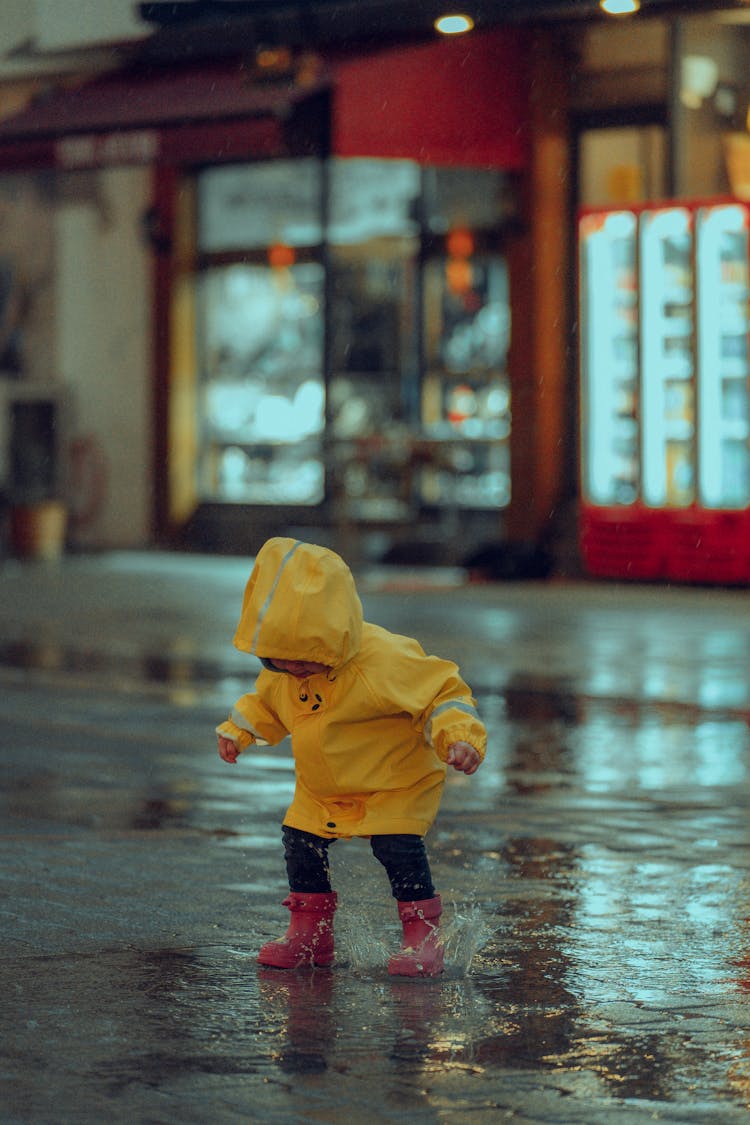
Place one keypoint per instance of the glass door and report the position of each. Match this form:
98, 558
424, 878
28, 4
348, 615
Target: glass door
668, 358
260, 333
609, 357
724, 369
373, 253
465, 394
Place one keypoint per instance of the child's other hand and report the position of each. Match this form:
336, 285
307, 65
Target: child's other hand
462, 756
227, 749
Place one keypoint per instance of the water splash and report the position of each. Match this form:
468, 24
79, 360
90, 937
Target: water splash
365, 943
361, 939
464, 933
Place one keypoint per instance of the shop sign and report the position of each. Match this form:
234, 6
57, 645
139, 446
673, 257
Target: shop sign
252, 205
96, 150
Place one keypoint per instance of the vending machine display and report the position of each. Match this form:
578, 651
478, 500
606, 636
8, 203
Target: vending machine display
609, 356
665, 391
724, 323
667, 358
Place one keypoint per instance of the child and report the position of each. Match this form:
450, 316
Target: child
373, 720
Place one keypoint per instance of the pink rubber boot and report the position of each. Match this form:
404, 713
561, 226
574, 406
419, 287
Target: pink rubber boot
309, 939
421, 954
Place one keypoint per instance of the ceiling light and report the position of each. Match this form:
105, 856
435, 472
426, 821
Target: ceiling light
454, 24
619, 7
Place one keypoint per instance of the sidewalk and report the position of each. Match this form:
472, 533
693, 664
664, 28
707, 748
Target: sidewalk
595, 871
175, 615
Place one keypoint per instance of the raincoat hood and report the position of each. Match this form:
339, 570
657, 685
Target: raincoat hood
300, 603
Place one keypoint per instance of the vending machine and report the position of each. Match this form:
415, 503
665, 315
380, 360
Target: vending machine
665, 391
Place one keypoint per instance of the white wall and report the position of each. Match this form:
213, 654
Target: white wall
104, 331
58, 25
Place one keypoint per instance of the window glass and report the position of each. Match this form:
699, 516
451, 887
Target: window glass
247, 206
465, 390
392, 344
478, 198
372, 199
263, 397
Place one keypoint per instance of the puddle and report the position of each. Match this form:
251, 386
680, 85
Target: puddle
173, 669
198, 1027
594, 875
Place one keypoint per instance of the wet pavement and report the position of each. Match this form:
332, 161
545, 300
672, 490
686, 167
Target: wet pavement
596, 871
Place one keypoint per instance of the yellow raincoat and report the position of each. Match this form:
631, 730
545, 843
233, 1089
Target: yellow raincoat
371, 736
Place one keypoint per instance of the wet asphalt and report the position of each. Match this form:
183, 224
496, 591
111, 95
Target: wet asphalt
595, 872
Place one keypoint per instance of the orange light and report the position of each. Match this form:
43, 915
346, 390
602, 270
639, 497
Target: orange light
281, 256
273, 58
458, 275
460, 243
462, 404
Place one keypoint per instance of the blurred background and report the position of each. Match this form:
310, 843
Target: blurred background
469, 297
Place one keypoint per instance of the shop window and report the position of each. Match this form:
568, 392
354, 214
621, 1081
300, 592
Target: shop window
621, 165
263, 399
374, 255
476, 198
465, 393
373, 199
260, 309
352, 325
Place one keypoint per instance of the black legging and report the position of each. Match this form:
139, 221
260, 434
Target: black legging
403, 856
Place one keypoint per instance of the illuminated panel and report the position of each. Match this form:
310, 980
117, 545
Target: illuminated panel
723, 407
609, 312
667, 371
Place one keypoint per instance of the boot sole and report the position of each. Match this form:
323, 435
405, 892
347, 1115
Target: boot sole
272, 961
296, 964
413, 974
413, 967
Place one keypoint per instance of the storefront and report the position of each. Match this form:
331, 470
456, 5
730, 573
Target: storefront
664, 321
340, 278
351, 315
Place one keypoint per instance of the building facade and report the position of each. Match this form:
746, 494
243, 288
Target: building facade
332, 290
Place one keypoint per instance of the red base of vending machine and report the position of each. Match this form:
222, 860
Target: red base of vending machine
625, 542
709, 547
690, 546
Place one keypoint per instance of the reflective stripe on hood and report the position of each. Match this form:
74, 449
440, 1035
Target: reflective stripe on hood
264, 608
300, 603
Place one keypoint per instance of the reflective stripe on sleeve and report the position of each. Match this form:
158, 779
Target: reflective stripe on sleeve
449, 705
240, 721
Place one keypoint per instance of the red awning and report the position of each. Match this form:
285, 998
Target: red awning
453, 101
143, 98
185, 107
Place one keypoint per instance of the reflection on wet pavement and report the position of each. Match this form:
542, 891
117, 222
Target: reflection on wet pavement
596, 877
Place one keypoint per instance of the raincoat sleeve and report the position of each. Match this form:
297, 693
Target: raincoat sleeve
452, 717
252, 721
433, 692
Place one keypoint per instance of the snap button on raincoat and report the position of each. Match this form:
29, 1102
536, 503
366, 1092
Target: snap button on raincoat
371, 735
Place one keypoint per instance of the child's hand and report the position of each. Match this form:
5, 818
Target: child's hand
462, 756
227, 750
